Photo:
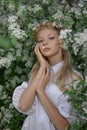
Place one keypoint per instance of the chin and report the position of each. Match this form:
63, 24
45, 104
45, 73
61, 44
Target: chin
47, 55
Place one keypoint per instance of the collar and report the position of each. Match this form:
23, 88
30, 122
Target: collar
55, 68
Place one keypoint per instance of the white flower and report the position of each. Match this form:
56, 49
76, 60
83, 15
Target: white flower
31, 25
35, 8
86, 94
18, 33
80, 4
11, 6
63, 33
85, 12
11, 106
35, 26
58, 15
29, 63
13, 26
81, 37
85, 110
2, 109
8, 114
29, 8
12, 19
6, 61
77, 11
45, 1
86, 78
21, 9
75, 84
4, 96
15, 79
75, 48
1, 88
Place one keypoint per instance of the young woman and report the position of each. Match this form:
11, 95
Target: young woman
43, 98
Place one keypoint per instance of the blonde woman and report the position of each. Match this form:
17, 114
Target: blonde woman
43, 99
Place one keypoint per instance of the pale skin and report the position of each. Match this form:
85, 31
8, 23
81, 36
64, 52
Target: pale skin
52, 51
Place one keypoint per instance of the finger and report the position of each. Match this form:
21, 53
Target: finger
35, 50
38, 52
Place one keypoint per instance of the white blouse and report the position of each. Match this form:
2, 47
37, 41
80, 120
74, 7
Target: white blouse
37, 118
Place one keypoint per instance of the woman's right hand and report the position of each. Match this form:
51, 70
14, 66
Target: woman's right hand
42, 61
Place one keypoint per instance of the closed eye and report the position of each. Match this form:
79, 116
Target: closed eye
40, 41
51, 37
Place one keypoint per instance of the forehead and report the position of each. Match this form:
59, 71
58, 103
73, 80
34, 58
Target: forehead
47, 32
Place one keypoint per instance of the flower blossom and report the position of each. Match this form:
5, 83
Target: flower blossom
63, 33
81, 37
18, 33
15, 28
6, 61
12, 19
35, 9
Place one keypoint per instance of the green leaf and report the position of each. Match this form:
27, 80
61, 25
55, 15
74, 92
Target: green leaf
16, 2
24, 13
14, 40
5, 42
0, 2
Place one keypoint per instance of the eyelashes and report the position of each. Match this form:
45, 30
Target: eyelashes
50, 38
40, 41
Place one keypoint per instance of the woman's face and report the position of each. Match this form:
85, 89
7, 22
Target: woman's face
48, 41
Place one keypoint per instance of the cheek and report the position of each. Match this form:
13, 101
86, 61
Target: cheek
56, 44
56, 48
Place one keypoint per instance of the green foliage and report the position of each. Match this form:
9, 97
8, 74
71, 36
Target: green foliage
5, 42
79, 98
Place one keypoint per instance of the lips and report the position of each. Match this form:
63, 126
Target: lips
46, 49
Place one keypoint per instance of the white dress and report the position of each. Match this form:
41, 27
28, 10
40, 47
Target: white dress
37, 118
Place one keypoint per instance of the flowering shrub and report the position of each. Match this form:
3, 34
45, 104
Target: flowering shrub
79, 98
17, 20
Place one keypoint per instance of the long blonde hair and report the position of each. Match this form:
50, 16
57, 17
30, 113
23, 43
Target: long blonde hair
66, 74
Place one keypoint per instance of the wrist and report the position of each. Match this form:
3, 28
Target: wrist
42, 68
39, 91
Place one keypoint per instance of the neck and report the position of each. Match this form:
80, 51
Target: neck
55, 58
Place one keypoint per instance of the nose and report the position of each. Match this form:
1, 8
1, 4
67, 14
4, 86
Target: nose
45, 42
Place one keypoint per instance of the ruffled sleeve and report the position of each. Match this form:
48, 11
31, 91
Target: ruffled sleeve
16, 97
66, 109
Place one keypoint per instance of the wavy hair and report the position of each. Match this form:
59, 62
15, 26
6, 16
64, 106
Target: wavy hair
66, 75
